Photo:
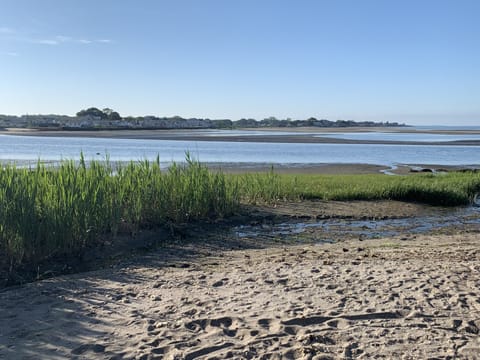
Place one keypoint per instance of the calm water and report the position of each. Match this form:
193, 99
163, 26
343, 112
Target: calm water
24, 148
366, 135
446, 127
388, 136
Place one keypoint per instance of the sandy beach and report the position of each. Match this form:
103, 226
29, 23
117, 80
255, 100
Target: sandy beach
408, 296
387, 298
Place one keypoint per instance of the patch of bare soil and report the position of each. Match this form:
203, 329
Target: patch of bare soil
351, 209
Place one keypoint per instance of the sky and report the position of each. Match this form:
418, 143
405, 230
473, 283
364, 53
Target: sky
411, 61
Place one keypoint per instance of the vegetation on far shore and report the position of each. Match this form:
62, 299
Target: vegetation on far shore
55, 211
96, 119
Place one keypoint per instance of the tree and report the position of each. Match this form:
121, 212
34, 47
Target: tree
104, 114
93, 111
114, 116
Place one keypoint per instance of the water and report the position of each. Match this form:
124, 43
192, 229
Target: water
388, 136
366, 229
446, 127
30, 149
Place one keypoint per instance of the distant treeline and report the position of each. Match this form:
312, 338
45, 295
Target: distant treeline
94, 118
274, 122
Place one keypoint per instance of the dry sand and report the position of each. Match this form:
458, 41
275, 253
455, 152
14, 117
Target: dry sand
410, 298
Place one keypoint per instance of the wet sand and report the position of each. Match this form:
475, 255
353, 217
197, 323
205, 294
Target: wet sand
390, 298
300, 168
334, 169
296, 135
327, 169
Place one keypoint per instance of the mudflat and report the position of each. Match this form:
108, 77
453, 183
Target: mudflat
295, 135
408, 296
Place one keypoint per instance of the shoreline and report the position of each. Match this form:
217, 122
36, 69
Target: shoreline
305, 135
300, 168
301, 137
339, 168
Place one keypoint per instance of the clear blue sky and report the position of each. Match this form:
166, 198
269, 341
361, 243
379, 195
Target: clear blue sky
414, 61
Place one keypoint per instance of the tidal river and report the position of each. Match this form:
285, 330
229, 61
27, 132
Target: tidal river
25, 149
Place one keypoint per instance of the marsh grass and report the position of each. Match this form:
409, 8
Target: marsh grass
49, 211
450, 189
54, 211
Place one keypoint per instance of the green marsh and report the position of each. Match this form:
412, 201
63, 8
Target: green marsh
55, 211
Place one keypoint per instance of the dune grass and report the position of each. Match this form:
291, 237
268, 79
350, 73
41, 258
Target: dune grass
48, 211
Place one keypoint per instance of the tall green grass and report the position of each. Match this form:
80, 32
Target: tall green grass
48, 211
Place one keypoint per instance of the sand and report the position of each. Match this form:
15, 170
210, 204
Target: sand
324, 169
295, 135
406, 297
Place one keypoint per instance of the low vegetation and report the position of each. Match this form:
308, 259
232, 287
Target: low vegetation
450, 189
55, 211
